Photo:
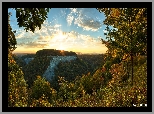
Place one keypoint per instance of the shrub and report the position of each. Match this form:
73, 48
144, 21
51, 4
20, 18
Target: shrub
41, 102
17, 87
42, 87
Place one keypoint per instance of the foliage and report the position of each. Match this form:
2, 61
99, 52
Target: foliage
30, 18
90, 91
41, 102
115, 94
87, 83
93, 62
109, 86
71, 69
129, 36
17, 87
92, 83
41, 87
98, 80
36, 67
28, 56
66, 90
19, 61
11, 37
53, 52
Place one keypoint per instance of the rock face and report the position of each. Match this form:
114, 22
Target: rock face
45, 61
49, 73
27, 60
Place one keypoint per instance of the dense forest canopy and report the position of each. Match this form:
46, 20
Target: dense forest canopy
53, 52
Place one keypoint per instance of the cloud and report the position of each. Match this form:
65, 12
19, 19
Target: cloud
41, 38
38, 39
71, 15
73, 10
20, 34
50, 36
57, 26
33, 45
88, 24
85, 18
71, 41
70, 19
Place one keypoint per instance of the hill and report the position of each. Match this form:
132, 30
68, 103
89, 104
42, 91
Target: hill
51, 63
53, 52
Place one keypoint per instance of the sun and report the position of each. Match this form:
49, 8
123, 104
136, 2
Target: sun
60, 36
61, 48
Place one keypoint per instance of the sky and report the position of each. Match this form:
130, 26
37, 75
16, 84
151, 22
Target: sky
70, 29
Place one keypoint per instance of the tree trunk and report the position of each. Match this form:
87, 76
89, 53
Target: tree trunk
131, 45
132, 67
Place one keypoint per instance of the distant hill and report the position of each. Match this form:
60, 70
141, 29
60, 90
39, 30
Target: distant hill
43, 63
51, 63
25, 58
53, 52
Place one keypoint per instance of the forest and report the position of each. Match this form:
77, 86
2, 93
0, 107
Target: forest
117, 78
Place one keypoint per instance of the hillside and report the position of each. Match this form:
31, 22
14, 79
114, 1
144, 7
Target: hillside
83, 77
50, 63
49, 73
42, 63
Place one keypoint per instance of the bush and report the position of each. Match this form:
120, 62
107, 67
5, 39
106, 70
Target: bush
41, 102
42, 87
36, 67
17, 87
66, 90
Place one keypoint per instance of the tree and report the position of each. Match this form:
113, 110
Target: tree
30, 18
130, 38
42, 87
11, 37
17, 87
36, 67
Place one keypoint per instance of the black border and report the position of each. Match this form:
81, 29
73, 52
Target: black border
6, 5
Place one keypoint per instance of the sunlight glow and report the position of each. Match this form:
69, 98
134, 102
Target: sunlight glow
61, 48
60, 36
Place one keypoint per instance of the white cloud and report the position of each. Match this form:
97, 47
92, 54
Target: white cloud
85, 18
71, 41
57, 26
70, 18
51, 36
39, 37
35, 45
88, 24
20, 35
73, 10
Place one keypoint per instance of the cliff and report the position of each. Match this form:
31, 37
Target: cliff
44, 63
49, 73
